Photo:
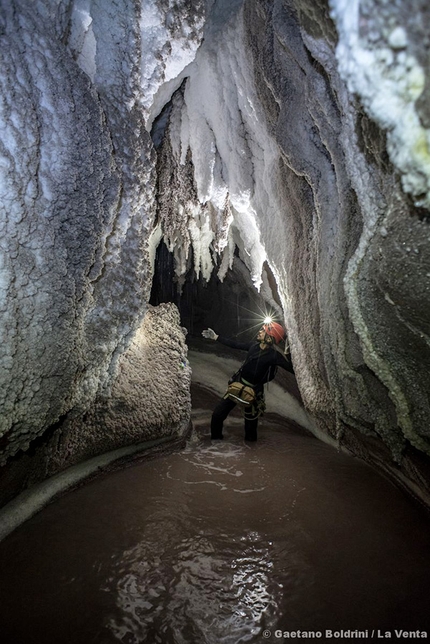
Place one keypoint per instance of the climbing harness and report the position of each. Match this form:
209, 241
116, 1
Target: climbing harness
249, 396
257, 408
241, 393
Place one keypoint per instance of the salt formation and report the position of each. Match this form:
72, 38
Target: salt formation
218, 139
148, 398
77, 187
59, 194
291, 133
274, 150
380, 66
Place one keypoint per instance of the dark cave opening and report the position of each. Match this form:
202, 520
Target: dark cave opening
233, 307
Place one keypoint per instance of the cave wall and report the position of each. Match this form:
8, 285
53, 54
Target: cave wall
148, 398
77, 206
358, 250
60, 192
289, 154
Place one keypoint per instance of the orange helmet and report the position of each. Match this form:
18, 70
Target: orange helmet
275, 331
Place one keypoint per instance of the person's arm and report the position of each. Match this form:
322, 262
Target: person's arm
234, 344
284, 362
211, 335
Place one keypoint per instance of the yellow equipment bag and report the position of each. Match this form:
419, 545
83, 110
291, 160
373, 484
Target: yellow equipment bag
240, 394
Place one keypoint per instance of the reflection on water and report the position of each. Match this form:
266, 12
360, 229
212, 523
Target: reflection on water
186, 583
215, 544
194, 594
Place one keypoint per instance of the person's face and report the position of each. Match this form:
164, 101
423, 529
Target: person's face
261, 335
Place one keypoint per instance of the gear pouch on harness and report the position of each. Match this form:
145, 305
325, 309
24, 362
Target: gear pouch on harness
240, 393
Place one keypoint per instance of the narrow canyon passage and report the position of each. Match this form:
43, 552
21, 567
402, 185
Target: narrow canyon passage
173, 172
220, 542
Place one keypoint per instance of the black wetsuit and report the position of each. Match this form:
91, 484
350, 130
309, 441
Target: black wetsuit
259, 367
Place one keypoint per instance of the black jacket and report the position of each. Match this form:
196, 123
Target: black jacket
260, 364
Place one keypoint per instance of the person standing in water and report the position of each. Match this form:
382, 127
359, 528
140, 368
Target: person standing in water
260, 367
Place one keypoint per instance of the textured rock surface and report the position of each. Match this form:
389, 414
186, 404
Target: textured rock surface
359, 250
383, 54
59, 194
77, 191
300, 175
149, 398
366, 287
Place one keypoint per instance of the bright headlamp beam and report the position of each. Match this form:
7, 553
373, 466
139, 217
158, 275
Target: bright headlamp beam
268, 320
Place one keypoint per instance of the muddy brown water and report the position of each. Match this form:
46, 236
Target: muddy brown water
221, 542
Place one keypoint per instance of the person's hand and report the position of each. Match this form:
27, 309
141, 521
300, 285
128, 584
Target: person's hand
210, 334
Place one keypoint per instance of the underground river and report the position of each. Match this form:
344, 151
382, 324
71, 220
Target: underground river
221, 542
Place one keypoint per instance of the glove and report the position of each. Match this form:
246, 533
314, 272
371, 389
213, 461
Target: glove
209, 334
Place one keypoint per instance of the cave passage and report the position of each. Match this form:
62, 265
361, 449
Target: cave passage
288, 168
220, 542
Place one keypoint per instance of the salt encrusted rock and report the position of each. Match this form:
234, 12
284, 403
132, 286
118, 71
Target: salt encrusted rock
398, 38
328, 203
148, 398
60, 191
358, 300
77, 206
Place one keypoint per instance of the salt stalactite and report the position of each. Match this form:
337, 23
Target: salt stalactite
217, 135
